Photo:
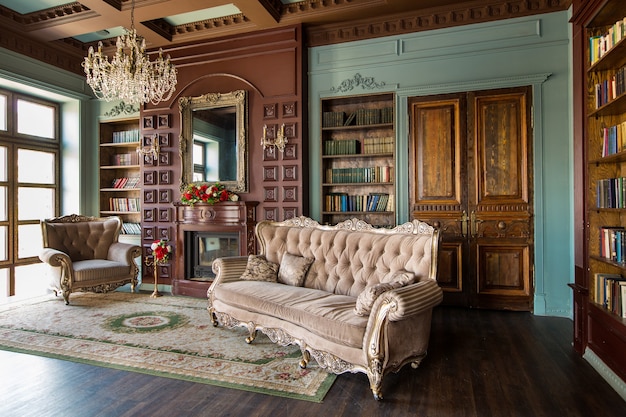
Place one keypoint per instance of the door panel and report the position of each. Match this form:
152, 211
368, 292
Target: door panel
450, 266
500, 214
470, 177
438, 191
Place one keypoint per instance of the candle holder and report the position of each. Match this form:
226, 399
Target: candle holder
155, 265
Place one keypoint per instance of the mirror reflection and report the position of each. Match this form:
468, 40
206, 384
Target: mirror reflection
213, 139
214, 144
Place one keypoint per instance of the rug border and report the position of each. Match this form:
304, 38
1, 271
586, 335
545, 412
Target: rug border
318, 397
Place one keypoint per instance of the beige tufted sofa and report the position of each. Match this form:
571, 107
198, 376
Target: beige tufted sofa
84, 253
349, 261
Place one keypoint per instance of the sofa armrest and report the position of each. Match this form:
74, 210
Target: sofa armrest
226, 270
123, 252
55, 257
229, 269
413, 299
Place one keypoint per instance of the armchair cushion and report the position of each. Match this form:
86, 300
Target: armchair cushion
98, 270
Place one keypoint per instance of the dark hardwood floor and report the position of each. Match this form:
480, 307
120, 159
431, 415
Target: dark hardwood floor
480, 363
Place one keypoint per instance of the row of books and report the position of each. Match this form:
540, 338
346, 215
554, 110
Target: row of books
125, 182
610, 292
125, 159
370, 202
130, 204
601, 44
614, 139
131, 228
359, 175
613, 243
342, 147
378, 145
611, 193
126, 136
607, 90
365, 117
359, 117
353, 146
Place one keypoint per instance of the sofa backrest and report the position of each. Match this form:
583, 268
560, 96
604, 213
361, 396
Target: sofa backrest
353, 254
81, 237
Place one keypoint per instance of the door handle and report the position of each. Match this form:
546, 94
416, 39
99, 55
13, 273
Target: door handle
474, 223
464, 224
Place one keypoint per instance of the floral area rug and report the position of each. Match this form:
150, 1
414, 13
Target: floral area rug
166, 336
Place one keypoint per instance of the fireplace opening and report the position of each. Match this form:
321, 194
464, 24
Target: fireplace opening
202, 248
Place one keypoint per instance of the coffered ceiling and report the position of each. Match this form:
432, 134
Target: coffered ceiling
46, 29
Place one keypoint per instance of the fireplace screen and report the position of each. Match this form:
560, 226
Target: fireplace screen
203, 248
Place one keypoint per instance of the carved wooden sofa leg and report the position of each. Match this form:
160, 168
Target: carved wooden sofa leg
375, 376
306, 357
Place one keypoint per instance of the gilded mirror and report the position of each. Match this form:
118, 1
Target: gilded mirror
213, 139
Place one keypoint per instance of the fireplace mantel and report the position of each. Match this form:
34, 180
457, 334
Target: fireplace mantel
228, 217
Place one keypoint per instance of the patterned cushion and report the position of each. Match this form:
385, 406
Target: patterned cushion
293, 269
260, 269
365, 300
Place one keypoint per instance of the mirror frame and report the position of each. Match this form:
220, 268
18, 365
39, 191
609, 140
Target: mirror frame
187, 105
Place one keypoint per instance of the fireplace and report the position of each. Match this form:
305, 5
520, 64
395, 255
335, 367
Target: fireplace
202, 248
205, 232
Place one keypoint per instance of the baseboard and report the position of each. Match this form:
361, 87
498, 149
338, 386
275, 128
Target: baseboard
611, 377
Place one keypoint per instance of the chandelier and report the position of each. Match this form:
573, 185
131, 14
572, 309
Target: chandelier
130, 76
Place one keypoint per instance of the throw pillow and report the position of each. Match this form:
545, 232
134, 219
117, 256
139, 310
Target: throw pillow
260, 269
365, 300
293, 269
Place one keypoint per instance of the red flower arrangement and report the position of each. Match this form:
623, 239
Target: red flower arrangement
161, 250
205, 193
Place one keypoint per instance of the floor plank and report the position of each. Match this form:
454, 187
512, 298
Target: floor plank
480, 363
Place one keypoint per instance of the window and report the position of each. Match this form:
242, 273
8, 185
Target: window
29, 189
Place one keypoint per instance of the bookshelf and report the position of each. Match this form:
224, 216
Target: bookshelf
603, 320
119, 178
358, 159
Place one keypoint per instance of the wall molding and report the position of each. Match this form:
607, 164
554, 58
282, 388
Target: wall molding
429, 19
609, 376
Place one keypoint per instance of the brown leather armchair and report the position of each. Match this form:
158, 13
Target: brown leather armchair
85, 254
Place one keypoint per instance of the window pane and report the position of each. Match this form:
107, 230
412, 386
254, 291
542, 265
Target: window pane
30, 242
4, 163
4, 283
35, 167
198, 151
31, 280
35, 203
3, 112
4, 243
35, 119
3, 204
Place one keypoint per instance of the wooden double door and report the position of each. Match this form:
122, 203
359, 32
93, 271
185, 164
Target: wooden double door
471, 176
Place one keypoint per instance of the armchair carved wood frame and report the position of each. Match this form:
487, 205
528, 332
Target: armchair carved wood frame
84, 253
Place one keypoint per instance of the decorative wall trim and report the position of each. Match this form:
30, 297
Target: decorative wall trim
366, 83
434, 18
122, 108
605, 372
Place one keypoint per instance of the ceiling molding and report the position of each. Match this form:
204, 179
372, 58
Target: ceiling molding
46, 35
435, 18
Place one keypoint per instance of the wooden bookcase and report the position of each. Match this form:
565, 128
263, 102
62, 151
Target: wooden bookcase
358, 159
120, 181
604, 330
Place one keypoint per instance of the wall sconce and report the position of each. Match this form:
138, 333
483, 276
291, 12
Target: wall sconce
279, 141
153, 149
